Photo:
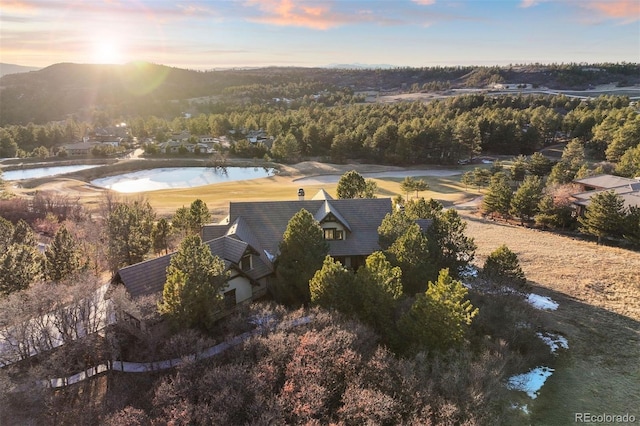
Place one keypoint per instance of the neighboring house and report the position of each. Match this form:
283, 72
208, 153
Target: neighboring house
170, 147
80, 148
628, 189
248, 242
114, 142
259, 136
181, 137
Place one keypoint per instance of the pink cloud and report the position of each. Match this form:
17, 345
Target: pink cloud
317, 15
424, 2
627, 10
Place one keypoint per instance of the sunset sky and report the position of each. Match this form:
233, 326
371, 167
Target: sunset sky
248, 33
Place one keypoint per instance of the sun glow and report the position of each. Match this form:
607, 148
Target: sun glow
106, 52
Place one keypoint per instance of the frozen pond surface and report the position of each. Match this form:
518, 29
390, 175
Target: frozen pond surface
42, 172
178, 177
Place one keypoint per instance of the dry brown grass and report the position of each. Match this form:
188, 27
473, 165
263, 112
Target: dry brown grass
598, 289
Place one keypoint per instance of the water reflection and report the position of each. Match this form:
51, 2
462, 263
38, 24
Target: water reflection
41, 172
179, 177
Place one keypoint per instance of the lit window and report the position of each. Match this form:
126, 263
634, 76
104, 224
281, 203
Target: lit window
333, 234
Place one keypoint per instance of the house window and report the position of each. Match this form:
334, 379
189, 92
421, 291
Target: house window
230, 299
333, 234
245, 263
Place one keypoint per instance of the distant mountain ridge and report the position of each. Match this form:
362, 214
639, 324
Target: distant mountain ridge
359, 66
140, 88
14, 69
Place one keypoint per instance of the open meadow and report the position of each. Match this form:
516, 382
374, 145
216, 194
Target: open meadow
598, 292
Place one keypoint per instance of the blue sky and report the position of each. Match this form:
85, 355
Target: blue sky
248, 33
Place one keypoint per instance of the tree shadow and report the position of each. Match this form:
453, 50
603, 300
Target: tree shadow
599, 373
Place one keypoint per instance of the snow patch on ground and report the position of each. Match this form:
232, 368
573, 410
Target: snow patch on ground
554, 341
542, 302
523, 407
468, 271
530, 382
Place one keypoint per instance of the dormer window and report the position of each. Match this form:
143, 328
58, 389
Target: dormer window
245, 263
333, 234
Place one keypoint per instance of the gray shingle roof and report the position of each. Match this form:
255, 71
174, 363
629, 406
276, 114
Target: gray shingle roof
605, 181
148, 277
211, 232
322, 195
326, 210
267, 221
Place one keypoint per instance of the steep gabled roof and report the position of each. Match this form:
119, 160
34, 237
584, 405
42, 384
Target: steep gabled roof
322, 195
267, 221
240, 230
327, 210
211, 232
148, 277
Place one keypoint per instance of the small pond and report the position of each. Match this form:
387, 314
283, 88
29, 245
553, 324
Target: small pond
42, 172
179, 177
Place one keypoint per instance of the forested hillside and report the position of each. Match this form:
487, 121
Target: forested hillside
58, 91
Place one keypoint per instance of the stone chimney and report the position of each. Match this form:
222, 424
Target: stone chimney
300, 194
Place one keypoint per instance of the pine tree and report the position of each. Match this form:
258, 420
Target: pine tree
502, 267
632, 226
20, 266
519, 168
332, 286
524, 203
604, 215
62, 257
422, 209
498, 196
198, 215
160, 236
449, 247
539, 165
378, 288
629, 164
129, 229
6, 234
192, 297
410, 252
407, 185
23, 234
392, 227
439, 318
351, 185
302, 252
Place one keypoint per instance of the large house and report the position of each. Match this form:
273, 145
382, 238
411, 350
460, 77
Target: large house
628, 189
248, 239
